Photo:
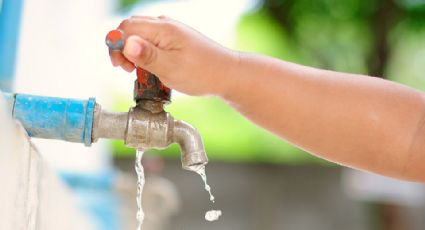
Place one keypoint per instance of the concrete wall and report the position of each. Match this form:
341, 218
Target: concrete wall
31, 195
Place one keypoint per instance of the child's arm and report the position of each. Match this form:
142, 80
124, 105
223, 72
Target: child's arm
359, 121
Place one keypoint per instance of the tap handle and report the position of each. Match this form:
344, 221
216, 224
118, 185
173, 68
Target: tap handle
147, 86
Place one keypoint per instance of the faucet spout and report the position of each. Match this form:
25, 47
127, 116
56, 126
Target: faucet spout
193, 154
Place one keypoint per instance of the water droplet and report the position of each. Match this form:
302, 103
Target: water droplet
212, 215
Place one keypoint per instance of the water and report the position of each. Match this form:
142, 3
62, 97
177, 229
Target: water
140, 183
211, 215
201, 172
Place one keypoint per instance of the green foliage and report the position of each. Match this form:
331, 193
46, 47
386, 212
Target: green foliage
312, 40
407, 64
350, 36
259, 32
126, 4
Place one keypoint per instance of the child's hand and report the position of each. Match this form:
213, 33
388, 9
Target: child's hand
181, 57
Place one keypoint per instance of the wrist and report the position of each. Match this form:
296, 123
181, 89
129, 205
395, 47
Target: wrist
229, 74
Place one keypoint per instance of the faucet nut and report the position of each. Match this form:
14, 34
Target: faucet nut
148, 130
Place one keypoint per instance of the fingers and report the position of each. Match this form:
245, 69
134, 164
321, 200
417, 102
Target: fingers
128, 66
118, 59
142, 26
142, 53
147, 29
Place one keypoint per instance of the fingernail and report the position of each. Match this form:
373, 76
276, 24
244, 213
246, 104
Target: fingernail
133, 48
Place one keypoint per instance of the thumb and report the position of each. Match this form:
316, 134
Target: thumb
141, 52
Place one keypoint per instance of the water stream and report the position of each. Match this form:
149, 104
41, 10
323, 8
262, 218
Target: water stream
201, 172
211, 215
140, 183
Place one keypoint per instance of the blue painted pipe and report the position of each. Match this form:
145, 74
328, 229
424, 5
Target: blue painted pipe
10, 17
54, 118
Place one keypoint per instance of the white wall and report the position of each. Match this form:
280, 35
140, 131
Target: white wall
31, 195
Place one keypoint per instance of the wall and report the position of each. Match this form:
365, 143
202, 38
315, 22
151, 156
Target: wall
31, 195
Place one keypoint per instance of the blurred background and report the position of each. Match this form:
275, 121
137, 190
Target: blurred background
259, 181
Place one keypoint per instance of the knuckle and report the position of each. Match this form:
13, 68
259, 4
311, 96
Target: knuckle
169, 28
124, 24
164, 17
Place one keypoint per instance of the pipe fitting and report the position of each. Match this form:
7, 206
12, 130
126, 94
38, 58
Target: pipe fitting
110, 125
146, 130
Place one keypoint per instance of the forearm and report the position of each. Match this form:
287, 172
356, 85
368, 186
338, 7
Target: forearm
360, 121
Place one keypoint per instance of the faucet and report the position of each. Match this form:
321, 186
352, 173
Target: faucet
145, 126
148, 126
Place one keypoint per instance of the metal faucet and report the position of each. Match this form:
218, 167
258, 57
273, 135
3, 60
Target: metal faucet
148, 126
145, 126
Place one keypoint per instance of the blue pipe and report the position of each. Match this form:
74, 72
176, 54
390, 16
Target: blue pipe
54, 118
10, 15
